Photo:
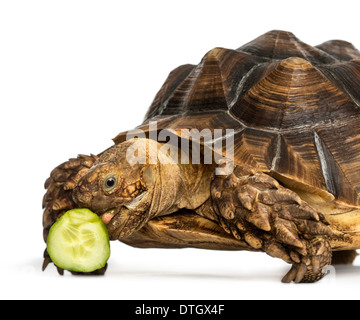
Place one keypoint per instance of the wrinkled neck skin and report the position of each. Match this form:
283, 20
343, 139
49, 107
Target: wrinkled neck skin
180, 186
169, 184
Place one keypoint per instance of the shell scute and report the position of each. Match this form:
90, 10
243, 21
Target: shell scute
295, 109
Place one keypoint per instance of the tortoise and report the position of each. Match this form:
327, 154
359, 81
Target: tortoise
292, 189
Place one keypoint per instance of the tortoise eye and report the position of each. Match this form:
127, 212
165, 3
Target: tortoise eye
110, 183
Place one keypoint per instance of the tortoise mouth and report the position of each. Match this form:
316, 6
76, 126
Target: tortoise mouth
107, 216
123, 222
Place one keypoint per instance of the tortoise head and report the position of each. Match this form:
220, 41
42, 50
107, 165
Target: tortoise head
118, 189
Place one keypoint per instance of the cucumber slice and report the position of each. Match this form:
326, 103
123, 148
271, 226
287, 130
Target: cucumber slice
79, 241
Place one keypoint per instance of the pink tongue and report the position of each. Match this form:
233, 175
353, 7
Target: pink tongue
107, 216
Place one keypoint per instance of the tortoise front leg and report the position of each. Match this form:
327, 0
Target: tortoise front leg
58, 197
255, 207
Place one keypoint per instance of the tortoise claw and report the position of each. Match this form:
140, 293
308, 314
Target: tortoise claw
315, 264
301, 271
291, 275
60, 271
296, 273
311, 268
46, 262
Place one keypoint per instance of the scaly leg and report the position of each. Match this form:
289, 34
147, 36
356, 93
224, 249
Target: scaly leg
254, 207
58, 197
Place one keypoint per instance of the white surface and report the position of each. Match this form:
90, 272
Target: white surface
75, 73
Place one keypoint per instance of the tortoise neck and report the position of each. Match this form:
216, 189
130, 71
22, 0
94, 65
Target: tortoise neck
180, 186
195, 189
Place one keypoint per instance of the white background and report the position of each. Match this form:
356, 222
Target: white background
73, 74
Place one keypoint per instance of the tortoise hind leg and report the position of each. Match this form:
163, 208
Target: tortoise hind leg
253, 206
344, 257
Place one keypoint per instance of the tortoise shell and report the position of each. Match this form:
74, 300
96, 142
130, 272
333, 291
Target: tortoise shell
295, 109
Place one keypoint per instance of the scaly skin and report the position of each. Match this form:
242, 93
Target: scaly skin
253, 207
59, 195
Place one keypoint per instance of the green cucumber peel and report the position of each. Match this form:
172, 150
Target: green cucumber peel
79, 241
